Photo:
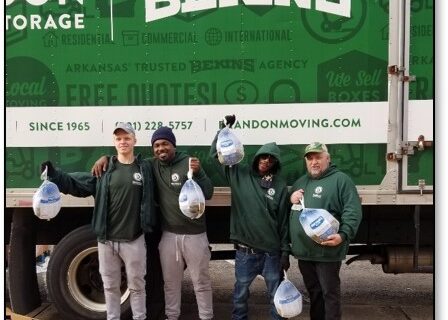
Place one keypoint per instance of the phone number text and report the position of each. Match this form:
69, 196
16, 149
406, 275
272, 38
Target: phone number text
154, 125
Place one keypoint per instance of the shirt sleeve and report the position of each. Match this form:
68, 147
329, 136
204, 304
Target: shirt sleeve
352, 211
78, 184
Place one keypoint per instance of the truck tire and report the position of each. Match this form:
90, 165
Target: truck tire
73, 278
23, 286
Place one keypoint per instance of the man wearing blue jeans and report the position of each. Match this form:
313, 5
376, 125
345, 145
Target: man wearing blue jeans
247, 266
258, 223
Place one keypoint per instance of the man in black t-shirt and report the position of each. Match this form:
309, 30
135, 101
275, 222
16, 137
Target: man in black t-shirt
124, 210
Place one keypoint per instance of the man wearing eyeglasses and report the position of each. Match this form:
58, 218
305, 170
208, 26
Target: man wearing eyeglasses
123, 212
258, 223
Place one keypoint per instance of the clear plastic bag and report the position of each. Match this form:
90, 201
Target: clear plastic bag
47, 199
318, 223
230, 149
288, 299
191, 198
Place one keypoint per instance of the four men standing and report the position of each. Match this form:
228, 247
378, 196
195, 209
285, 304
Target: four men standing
259, 226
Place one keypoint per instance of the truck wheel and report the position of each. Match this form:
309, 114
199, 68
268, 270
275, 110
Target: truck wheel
73, 278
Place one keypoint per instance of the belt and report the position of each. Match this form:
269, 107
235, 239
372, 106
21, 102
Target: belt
247, 250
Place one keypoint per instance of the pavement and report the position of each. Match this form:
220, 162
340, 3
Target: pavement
261, 312
350, 312
368, 294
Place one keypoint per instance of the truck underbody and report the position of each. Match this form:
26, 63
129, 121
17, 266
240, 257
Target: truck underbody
400, 237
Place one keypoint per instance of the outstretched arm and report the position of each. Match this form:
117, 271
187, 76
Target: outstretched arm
78, 184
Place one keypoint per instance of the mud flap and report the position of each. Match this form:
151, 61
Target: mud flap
23, 289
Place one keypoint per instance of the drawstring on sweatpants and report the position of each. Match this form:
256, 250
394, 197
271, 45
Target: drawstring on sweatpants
182, 246
113, 247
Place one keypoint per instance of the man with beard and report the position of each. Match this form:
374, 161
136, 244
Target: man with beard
324, 187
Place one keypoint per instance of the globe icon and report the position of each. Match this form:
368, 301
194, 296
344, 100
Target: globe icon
213, 36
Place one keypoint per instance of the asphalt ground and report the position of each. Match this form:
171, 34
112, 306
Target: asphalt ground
367, 293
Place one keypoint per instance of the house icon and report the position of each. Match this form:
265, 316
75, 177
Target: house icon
130, 37
50, 40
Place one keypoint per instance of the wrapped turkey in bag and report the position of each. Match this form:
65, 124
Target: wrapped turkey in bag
47, 199
191, 198
230, 149
287, 299
318, 223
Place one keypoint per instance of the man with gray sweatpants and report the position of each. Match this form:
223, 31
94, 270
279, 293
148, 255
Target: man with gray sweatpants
124, 211
179, 251
184, 241
133, 254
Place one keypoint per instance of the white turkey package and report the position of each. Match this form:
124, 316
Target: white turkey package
229, 147
47, 199
191, 198
287, 299
318, 223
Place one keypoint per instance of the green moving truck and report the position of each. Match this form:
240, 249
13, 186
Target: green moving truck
357, 75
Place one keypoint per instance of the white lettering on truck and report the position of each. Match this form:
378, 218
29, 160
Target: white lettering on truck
37, 21
159, 9
172, 7
41, 2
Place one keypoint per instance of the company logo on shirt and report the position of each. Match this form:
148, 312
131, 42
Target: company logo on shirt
137, 179
270, 193
317, 192
175, 179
